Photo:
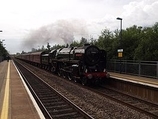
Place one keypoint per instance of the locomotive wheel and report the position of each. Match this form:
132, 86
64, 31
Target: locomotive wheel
53, 69
64, 74
75, 80
69, 76
60, 72
84, 81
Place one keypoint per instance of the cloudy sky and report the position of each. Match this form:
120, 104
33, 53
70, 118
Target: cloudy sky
30, 24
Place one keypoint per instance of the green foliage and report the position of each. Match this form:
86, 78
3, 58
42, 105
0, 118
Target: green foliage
48, 46
58, 46
75, 44
137, 43
3, 51
79, 44
130, 41
148, 47
108, 42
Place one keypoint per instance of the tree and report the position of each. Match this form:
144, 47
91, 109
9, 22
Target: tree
3, 52
107, 42
130, 41
75, 44
33, 50
43, 48
83, 41
148, 47
48, 47
23, 52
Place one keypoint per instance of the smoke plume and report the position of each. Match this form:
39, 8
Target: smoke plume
60, 32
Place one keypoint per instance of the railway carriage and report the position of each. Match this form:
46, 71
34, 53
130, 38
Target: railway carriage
24, 57
35, 57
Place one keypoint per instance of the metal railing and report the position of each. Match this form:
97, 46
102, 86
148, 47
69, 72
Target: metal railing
140, 68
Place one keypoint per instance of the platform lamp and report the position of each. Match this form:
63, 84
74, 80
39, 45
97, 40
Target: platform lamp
120, 50
118, 18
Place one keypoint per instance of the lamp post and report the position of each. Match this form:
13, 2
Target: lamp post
120, 50
118, 18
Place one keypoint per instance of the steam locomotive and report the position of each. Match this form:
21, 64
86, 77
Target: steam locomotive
85, 64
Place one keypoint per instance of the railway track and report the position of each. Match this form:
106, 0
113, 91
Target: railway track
143, 106
53, 104
100, 106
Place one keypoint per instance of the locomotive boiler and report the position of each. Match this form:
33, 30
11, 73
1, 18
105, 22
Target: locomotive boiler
85, 64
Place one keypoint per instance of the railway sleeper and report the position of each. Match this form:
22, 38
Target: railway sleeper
58, 106
61, 111
68, 115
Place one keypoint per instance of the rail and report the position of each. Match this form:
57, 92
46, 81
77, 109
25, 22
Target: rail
135, 103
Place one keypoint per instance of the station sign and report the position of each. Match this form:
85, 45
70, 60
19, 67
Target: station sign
120, 52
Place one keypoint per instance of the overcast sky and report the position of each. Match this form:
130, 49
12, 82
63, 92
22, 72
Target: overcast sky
33, 23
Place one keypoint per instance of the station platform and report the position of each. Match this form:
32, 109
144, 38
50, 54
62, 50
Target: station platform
135, 79
15, 101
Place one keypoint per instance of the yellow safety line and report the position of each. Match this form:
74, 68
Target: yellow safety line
4, 113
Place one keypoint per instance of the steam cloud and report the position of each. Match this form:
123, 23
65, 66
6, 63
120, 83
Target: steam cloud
60, 32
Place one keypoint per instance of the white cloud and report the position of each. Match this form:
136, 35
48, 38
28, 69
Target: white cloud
142, 13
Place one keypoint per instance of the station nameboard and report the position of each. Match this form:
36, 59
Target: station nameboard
120, 52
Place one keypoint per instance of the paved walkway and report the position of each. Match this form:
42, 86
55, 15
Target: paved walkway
142, 80
15, 101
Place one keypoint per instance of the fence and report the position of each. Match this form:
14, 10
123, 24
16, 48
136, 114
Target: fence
140, 68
